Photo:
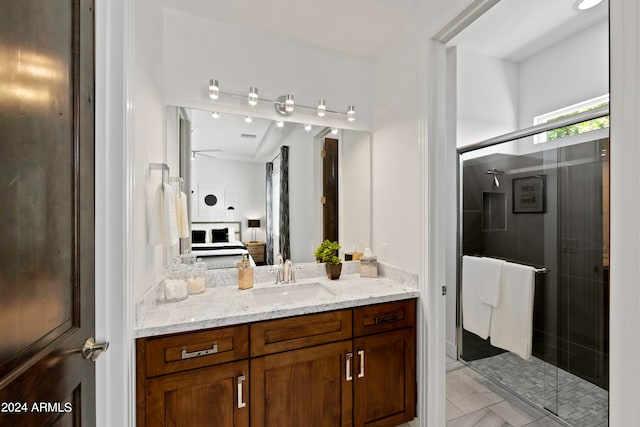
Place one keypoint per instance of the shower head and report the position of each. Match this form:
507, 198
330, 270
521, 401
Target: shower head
495, 172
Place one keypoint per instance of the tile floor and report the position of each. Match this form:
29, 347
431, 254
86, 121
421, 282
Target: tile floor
577, 401
473, 400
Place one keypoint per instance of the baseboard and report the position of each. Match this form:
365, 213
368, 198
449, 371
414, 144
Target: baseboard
452, 350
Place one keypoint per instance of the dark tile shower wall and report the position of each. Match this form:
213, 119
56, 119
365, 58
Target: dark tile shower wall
571, 302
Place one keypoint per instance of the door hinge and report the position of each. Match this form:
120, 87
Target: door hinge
323, 153
444, 290
323, 200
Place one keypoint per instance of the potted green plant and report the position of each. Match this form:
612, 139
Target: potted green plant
327, 252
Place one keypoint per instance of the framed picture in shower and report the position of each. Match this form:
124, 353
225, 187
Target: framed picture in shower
529, 194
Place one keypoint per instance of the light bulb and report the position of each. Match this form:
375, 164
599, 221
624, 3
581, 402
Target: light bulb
248, 119
280, 123
214, 89
215, 114
307, 127
253, 96
586, 4
322, 108
289, 104
334, 131
351, 113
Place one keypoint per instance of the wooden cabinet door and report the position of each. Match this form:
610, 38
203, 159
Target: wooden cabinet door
385, 378
213, 396
307, 387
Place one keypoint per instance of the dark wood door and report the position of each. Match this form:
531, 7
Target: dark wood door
330, 190
306, 387
46, 212
214, 396
385, 379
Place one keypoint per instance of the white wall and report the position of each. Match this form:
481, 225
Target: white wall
198, 49
572, 71
149, 140
245, 181
395, 197
487, 97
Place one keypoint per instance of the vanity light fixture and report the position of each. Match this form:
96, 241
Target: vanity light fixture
322, 108
253, 96
280, 123
214, 89
307, 127
289, 104
351, 113
215, 114
284, 104
334, 131
248, 119
581, 5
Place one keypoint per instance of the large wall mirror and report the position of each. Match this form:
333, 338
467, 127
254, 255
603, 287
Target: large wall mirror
269, 187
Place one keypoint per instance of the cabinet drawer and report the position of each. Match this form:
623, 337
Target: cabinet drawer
195, 349
256, 250
273, 336
384, 317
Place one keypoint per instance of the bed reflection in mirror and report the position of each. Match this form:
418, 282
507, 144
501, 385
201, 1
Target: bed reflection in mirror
237, 172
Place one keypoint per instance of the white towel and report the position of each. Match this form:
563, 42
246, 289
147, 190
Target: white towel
182, 215
490, 275
169, 217
476, 315
512, 321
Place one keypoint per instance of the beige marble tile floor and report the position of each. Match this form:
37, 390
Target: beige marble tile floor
473, 400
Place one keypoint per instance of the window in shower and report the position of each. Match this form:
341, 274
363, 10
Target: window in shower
578, 128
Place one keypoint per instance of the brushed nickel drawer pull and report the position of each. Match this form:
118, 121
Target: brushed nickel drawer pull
199, 353
361, 354
388, 319
241, 402
348, 375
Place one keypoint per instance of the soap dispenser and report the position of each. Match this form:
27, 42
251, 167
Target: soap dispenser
245, 273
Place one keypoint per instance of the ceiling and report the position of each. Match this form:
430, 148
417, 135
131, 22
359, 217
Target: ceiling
515, 30
354, 27
230, 137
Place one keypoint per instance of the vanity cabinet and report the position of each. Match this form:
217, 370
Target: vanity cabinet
350, 367
384, 345
194, 379
298, 371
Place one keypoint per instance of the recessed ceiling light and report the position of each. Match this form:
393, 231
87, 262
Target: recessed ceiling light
586, 4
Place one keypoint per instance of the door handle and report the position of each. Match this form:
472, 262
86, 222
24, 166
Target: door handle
361, 354
93, 350
241, 402
348, 375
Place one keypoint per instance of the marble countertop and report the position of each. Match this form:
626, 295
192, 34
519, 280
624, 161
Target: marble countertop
228, 305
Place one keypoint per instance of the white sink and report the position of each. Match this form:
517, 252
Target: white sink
291, 292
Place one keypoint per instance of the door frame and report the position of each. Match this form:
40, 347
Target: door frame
114, 138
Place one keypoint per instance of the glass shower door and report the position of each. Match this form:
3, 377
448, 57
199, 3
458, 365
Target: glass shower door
543, 202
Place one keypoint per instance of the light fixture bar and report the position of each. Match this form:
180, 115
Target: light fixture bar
286, 104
